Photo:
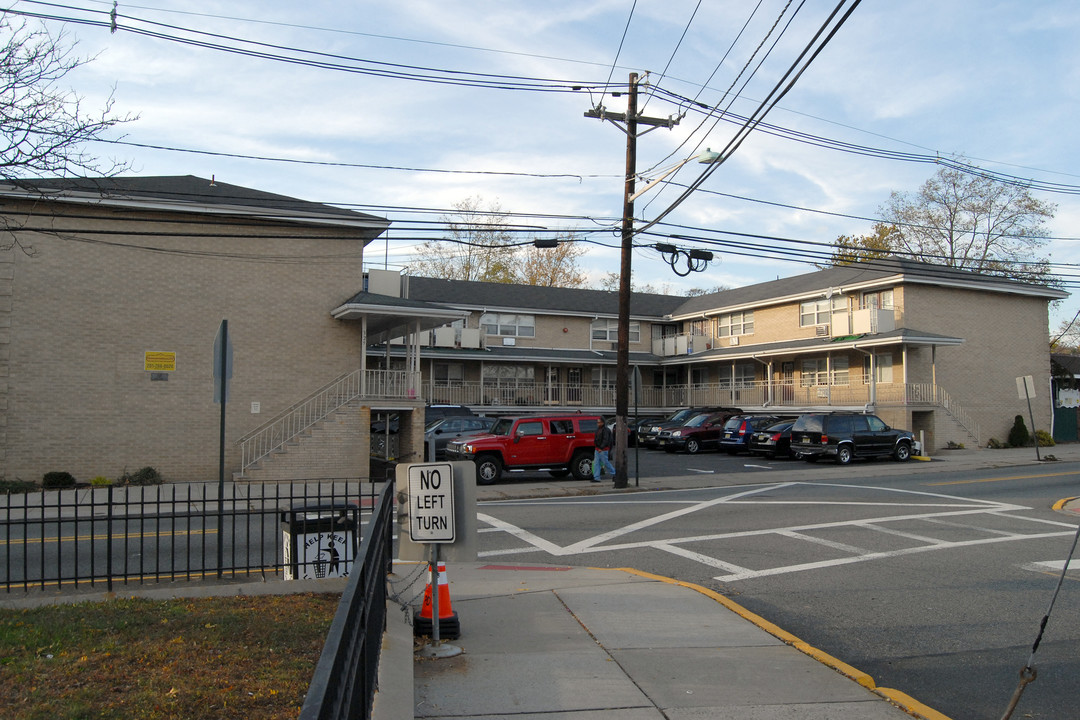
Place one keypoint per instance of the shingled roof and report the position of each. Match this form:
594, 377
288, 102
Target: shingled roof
189, 193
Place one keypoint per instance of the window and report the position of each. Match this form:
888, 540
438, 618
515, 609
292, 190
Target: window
508, 372
446, 374
882, 368
815, 371
508, 325
699, 375
609, 330
603, 377
738, 323
819, 312
531, 428
881, 299
562, 427
745, 375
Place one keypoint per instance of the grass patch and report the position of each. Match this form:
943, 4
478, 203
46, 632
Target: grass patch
221, 658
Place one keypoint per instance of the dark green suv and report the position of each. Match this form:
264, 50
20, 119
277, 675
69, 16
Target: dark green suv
844, 436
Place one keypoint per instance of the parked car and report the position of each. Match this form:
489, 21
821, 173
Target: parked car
735, 437
559, 444
773, 441
848, 435
442, 430
701, 432
434, 412
649, 435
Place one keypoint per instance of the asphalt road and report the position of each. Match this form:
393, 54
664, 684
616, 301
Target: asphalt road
935, 584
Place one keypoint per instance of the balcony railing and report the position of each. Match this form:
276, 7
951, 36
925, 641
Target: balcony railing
272, 435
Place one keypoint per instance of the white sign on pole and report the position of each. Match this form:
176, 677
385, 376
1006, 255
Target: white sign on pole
1025, 387
431, 503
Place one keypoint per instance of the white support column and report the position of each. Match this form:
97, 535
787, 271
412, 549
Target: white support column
363, 355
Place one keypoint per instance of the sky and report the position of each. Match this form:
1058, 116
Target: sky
405, 109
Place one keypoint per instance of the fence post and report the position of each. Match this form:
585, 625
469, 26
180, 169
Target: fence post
108, 539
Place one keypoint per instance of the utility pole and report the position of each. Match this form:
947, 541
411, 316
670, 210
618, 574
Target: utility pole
622, 355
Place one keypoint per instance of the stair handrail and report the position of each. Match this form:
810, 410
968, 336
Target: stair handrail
298, 417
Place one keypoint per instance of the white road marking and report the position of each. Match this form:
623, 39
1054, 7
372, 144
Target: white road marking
944, 506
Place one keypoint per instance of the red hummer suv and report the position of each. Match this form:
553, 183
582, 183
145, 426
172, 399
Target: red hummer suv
559, 444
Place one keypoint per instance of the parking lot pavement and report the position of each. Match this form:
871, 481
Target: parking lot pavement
711, 469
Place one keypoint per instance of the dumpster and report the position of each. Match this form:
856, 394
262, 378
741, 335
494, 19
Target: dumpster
320, 540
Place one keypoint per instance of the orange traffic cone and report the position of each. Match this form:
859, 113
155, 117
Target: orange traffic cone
449, 626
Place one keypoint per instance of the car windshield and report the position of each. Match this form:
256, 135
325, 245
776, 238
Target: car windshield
733, 423
502, 426
433, 424
697, 420
780, 426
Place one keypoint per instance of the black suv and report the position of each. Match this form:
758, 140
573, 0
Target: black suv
847, 435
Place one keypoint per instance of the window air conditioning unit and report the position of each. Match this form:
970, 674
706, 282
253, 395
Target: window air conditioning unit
822, 330
734, 341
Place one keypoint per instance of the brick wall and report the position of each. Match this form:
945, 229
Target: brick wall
85, 307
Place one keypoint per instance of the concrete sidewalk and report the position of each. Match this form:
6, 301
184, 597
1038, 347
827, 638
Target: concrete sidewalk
562, 642
551, 642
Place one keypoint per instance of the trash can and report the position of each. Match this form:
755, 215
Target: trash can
320, 540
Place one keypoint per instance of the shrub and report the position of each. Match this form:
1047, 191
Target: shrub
16, 486
955, 445
995, 444
57, 479
142, 476
1045, 438
101, 481
1019, 435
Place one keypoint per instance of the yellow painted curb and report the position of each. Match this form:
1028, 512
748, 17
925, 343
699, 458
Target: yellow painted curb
924, 458
910, 704
1060, 504
902, 700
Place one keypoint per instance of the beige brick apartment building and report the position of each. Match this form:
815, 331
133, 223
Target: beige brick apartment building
112, 292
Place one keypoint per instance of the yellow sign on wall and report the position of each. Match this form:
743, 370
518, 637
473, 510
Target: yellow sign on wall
159, 361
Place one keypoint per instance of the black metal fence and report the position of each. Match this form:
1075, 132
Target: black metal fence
344, 682
67, 539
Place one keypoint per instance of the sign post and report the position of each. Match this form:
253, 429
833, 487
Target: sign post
222, 374
431, 520
1025, 388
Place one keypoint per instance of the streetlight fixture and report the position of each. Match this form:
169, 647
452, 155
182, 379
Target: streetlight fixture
705, 158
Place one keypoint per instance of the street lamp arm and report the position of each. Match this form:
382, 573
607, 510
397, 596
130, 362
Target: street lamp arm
706, 157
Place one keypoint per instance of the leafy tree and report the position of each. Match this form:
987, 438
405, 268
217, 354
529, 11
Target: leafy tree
481, 247
550, 267
881, 243
43, 128
973, 222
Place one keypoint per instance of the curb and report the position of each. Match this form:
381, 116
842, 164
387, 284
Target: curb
1060, 504
900, 699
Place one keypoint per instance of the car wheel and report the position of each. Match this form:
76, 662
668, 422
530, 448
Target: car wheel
902, 452
488, 469
692, 446
843, 455
581, 466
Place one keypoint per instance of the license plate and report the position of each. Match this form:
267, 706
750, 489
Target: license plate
805, 441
